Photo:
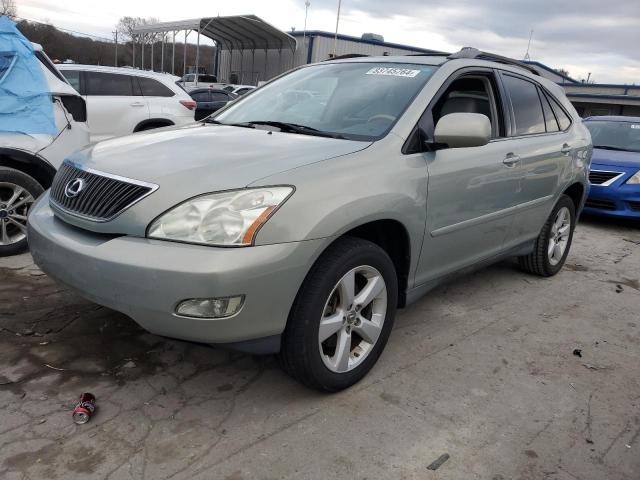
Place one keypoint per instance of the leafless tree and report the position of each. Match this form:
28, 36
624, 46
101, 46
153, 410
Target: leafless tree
8, 8
127, 25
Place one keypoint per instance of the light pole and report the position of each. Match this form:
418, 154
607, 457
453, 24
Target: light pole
307, 3
335, 39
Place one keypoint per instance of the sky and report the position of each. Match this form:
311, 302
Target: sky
581, 36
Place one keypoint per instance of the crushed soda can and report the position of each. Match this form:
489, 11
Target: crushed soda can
84, 409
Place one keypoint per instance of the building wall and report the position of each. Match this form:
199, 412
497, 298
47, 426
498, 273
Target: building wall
250, 70
323, 48
251, 67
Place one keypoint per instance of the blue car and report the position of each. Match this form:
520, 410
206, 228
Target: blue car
615, 167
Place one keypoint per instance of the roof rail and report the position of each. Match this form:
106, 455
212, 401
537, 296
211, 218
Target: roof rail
428, 54
471, 52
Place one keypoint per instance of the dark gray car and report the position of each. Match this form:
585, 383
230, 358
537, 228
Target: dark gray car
298, 218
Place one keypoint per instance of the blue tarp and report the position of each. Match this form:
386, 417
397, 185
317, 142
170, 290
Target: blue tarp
25, 100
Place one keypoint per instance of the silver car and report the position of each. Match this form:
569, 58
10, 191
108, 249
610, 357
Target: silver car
297, 223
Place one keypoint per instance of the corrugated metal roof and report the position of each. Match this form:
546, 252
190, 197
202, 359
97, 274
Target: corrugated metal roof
242, 32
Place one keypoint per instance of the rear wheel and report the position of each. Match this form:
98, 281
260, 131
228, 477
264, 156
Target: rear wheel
342, 317
553, 244
18, 191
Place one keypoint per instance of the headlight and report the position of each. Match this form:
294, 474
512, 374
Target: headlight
635, 180
224, 219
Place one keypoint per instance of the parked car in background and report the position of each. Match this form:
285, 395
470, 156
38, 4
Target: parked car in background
188, 81
615, 168
121, 101
270, 228
239, 89
29, 154
210, 100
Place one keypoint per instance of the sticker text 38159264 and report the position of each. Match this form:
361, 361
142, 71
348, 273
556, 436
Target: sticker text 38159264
394, 72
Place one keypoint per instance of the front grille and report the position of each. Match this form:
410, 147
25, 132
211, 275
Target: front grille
635, 206
103, 196
598, 177
600, 204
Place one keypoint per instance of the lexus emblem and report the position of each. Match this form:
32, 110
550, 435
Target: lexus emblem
74, 187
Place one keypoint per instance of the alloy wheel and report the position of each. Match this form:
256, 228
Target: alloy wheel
353, 318
15, 202
559, 236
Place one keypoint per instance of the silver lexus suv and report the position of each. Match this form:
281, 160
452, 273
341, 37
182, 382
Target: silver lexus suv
299, 218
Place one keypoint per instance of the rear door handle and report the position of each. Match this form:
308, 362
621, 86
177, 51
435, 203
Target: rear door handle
566, 149
137, 104
511, 159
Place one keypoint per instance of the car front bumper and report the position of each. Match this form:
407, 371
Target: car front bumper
146, 279
618, 199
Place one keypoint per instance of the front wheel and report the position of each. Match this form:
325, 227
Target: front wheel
18, 191
342, 316
553, 244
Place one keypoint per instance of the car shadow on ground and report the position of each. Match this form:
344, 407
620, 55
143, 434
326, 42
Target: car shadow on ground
53, 339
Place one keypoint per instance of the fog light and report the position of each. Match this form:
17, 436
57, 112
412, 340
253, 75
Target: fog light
210, 307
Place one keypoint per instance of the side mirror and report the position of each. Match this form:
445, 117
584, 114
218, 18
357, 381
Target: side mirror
459, 130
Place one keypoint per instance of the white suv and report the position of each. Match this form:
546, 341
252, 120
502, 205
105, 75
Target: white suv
29, 156
121, 101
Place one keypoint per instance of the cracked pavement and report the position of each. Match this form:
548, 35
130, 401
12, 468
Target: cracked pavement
481, 369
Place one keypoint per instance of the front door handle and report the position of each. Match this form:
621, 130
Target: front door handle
137, 104
511, 159
566, 149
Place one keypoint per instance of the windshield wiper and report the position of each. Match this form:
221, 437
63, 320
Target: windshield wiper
293, 128
218, 122
609, 147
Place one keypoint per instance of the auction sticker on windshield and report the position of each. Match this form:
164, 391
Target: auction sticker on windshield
395, 72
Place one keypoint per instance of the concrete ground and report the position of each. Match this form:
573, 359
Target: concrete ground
481, 369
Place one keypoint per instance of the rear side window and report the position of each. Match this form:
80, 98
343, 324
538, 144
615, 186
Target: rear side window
563, 119
219, 97
527, 108
108, 84
73, 77
153, 88
201, 96
549, 117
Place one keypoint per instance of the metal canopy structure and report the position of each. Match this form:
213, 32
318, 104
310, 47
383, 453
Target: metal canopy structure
234, 33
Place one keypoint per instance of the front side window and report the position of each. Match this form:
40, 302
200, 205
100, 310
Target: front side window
108, 84
615, 135
153, 88
471, 93
359, 101
527, 108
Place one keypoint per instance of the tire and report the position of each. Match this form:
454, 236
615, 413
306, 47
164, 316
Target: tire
320, 299
540, 262
21, 190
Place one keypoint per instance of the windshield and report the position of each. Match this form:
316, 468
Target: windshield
615, 135
359, 101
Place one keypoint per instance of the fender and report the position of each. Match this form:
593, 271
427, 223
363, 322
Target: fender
32, 164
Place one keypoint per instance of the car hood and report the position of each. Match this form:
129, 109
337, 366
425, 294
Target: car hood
196, 159
201, 158
615, 158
